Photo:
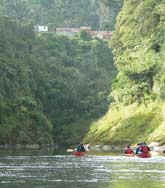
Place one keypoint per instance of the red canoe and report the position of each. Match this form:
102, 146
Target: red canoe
78, 153
144, 155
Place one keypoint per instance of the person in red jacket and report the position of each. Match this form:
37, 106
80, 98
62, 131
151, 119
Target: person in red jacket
128, 150
145, 148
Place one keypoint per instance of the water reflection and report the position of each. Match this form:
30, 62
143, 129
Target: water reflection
91, 171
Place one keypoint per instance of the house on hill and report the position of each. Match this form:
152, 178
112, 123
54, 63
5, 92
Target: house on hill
41, 28
73, 31
70, 32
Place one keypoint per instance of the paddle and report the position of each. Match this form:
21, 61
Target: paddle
70, 150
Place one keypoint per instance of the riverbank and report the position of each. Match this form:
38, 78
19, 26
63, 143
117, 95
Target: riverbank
129, 125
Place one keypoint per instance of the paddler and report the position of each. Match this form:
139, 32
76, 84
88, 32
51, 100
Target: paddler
80, 148
128, 150
145, 148
142, 149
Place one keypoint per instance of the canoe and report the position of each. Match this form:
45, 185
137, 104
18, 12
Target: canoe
144, 155
78, 153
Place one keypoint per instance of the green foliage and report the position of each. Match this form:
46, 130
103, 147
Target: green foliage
131, 124
66, 13
108, 12
18, 105
138, 44
18, 10
84, 35
50, 83
76, 76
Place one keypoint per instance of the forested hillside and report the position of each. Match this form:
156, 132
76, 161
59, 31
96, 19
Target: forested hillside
137, 113
64, 13
21, 114
51, 86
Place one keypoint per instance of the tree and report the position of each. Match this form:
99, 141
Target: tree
18, 9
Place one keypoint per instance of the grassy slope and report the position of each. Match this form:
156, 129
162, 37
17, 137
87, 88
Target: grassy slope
131, 124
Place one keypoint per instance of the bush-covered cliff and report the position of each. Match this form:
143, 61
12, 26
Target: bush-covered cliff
139, 89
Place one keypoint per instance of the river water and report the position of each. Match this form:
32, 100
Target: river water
67, 171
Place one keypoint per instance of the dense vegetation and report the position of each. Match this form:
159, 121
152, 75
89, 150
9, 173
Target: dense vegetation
138, 43
21, 115
51, 86
64, 13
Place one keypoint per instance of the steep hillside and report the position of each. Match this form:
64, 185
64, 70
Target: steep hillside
139, 90
50, 86
21, 115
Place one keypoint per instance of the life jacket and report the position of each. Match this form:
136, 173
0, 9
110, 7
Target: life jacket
139, 150
80, 148
128, 151
145, 149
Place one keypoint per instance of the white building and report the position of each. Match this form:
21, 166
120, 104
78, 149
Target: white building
41, 28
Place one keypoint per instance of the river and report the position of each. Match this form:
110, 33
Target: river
90, 171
